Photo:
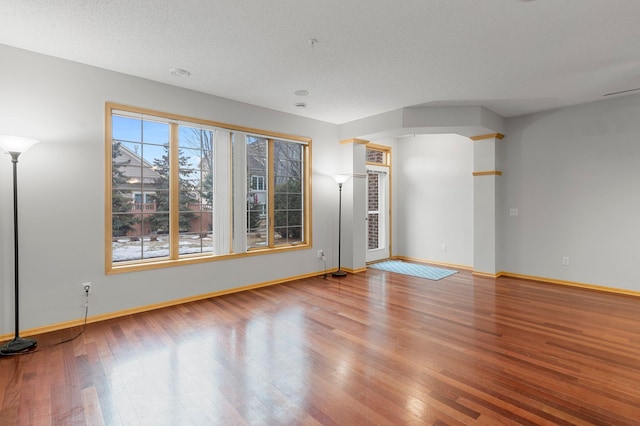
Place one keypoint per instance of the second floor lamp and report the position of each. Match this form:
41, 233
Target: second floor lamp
340, 179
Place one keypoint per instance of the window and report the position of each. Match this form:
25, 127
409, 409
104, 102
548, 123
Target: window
175, 191
257, 183
147, 204
276, 219
377, 156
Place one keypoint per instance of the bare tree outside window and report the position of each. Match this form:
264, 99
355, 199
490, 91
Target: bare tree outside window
288, 196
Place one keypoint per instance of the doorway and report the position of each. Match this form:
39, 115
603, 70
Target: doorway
378, 208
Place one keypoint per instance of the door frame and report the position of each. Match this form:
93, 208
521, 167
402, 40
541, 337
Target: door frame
374, 255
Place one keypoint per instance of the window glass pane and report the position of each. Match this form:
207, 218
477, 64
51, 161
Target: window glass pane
139, 243
155, 245
194, 243
374, 241
195, 138
280, 235
294, 218
126, 249
373, 191
155, 133
288, 195
294, 234
190, 181
195, 233
294, 201
154, 156
257, 198
126, 129
150, 177
280, 201
190, 159
125, 223
376, 156
156, 223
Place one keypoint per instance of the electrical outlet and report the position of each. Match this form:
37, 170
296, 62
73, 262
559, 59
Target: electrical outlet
320, 254
86, 287
444, 247
565, 260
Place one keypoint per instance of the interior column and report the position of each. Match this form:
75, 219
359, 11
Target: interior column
485, 204
354, 210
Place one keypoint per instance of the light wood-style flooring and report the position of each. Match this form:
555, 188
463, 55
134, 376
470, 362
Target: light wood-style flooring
375, 348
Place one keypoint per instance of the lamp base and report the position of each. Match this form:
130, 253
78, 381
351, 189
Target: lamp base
339, 273
18, 346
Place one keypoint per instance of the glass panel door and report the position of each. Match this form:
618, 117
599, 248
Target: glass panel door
377, 213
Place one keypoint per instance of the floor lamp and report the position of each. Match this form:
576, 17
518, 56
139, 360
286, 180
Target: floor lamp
14, 146
341, 179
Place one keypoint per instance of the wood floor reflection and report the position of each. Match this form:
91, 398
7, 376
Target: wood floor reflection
372, 348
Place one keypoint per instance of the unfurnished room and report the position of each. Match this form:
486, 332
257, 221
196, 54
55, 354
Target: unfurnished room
319, 213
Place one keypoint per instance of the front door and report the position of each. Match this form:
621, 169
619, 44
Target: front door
377, 213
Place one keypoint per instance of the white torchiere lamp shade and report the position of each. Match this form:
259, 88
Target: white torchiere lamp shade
16, 144
341, 179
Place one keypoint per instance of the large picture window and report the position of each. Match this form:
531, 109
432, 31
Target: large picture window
172, 190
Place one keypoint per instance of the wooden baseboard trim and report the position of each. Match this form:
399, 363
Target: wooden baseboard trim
146, 308
525, 277
486, 274
593, 287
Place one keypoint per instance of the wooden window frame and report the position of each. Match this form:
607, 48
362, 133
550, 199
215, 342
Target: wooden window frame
235, 250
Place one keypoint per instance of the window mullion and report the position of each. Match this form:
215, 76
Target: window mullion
270, 193
306, 193
239, 195
174, 192
222, 208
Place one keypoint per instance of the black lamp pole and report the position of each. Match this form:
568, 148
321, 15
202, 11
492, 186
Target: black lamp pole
339, 272
18, 344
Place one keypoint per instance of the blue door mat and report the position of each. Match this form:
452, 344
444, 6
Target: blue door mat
421, 271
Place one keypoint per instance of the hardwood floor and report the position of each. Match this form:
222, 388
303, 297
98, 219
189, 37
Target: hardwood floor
372, 348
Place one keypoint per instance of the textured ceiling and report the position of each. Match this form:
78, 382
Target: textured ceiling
371, 56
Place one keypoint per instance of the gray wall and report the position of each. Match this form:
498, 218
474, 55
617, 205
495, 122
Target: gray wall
574, 175
433, 198
61, 186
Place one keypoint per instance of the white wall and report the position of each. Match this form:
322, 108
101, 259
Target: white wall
574, 175
433, 198
61, 185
